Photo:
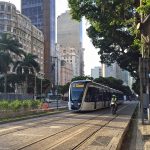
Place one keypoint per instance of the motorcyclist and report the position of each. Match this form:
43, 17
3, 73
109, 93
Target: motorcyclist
114, 100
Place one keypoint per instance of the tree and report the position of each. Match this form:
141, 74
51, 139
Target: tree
9, 46
112, 30
81, 78
64, 89
115, 84
26, 66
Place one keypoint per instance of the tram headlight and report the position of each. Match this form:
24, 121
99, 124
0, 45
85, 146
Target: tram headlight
79, 104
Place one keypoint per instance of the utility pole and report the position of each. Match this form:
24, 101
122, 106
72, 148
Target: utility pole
144, 64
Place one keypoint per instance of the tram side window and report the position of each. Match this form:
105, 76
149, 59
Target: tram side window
91, 95
100, 95
105, 96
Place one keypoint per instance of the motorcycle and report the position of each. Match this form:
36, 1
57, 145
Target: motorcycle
113, 106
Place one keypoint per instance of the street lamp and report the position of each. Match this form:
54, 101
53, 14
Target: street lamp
41, 77
56, 80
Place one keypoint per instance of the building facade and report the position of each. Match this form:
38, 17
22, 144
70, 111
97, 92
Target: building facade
115, 71
31, 38
66, 73
96, 72
42, 15
70, 55
69, 37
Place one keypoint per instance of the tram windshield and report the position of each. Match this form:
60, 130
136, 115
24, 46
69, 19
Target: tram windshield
77, 90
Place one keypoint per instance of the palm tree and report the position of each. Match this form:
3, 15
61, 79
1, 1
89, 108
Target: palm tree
9, 46
26, 66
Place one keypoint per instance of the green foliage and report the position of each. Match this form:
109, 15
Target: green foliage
112, 30
15, 105
81, 78
144, 8
114, 83
35, 104
26, 104
64, 89
4, 105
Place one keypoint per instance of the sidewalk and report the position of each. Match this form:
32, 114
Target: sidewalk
111, 136
143, 135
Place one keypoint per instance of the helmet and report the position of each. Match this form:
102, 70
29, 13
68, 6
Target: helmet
113, 95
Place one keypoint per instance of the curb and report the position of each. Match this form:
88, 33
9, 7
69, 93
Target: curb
125, 131
30, 116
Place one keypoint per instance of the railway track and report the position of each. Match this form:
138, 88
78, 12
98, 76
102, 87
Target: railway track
68, 133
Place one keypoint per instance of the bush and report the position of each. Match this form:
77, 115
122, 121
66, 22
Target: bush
35, 104
16, 105
4, 105
26, 104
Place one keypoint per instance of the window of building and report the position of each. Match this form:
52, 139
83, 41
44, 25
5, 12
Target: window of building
8, 16
8, 28
1, 28
2, 7
1, 15
9, 8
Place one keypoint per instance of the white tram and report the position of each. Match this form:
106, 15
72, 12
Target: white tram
85, 95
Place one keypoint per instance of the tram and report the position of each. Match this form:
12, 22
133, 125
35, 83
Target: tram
86, 95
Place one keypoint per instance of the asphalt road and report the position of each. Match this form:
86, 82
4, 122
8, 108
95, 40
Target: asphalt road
62, 131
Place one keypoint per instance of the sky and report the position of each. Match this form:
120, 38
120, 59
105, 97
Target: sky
91, 58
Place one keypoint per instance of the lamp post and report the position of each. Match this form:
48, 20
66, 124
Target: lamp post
41, 88
57, 79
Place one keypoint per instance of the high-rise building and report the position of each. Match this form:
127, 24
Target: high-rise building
96, 72
115, 71
69, 36
42, 15
70, 55
31, 38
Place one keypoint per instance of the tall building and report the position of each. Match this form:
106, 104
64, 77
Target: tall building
69, 36
42, 15
115, 71
96, 72
66, 73
31, 38
70, 55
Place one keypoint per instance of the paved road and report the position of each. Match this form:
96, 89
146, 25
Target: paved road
63, 131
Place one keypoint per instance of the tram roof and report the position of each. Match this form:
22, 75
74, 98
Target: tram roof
104, 86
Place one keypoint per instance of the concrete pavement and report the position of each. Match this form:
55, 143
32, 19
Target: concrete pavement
111, 136
143, 135
98, 130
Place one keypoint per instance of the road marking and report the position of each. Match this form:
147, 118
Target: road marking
55, 127
26, 134
1, 130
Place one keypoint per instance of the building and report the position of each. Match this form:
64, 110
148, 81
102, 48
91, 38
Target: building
42, 15
115, 71
70, 55
31, 38
96, 72
66, 73
69, 37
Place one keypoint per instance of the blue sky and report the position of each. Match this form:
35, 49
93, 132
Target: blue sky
91, 58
